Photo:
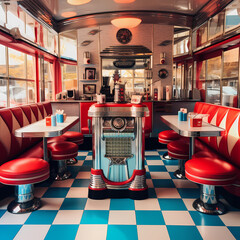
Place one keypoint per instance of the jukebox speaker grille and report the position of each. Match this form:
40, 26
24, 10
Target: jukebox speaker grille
119, 147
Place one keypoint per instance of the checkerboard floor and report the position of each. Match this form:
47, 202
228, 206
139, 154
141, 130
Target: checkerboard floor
67, 213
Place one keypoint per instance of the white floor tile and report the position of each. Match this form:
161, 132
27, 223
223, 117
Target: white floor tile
122, 217
155, 162
147, 169
92, 204
65, 183
83, 175
152, 232
79, 163
231, 218
88, 158
147, 204
181, 183
215, 232
171, 168
9, 218
4, 203
68, 217
151, 153
82, 153
51, 203
30, 232
91, 232
160, 175
77, 192
188, 202
167, 193
177, 218
149, 183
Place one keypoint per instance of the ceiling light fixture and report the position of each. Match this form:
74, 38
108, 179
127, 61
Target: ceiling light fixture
68, 14
124, 1
78, 2
126, 22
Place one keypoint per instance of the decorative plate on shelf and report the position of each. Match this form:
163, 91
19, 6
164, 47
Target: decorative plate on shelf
163, 73
124, 35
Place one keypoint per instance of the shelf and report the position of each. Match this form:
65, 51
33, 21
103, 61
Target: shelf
89, 65
88, 80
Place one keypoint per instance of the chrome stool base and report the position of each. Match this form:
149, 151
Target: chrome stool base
212, 209
25, 207
72, 161
62, 176
179, 174
165, 156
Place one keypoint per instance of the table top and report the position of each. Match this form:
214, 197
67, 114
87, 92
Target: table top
183, 127
39, 128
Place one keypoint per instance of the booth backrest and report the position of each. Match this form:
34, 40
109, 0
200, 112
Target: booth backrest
228, 144
14, 118
84, 107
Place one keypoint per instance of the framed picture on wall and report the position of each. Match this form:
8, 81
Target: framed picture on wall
90, 73
89, 88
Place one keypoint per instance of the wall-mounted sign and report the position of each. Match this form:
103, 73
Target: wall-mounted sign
163, 73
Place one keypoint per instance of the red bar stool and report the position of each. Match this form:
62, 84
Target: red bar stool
23, 173
166, 137
75, 137
210, 172
60, 153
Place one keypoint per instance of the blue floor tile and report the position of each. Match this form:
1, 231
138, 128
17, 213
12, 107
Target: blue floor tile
235, 232
152, 193
163, 183
162, 152
148, 175
46, 183
95, 217
90, 153
73, 204
170, 204
2, 212
87, 163
42, 217
170, 162
122, 232
56, 192
157, 168
189, 192
81, 183
201, 219
172, 175
149, 218
183, 232
62, 232
122, 204
8, 232
81, 157
153, 157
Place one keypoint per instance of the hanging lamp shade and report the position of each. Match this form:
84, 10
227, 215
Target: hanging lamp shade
127, 22
124, 1
68, 14
78, 2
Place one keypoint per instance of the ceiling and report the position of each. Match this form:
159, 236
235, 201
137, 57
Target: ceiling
187, 13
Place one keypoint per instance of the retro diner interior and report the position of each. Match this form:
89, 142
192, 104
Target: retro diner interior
94, 98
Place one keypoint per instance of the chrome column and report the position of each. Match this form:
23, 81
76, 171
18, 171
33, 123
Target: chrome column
138, 127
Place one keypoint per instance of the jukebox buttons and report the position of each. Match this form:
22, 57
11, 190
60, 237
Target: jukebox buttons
118, 124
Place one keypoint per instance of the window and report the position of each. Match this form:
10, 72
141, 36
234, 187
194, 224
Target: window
216, 25
232, 16
30, 28
3, 93
214, 68
69, 76
3, 67
2, 14
68, 47
16, 64
17, 92
31, 67
201, 35
48, 80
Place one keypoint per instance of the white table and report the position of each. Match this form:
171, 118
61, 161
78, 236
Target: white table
183, 128
39, 129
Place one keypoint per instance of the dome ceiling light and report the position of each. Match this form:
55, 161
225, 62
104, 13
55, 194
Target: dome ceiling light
126, 22
78, 2
124, 1
68, 14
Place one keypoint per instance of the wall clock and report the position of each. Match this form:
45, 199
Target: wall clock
163, 73
124, 35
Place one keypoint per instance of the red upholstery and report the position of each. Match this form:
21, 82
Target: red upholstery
56, 139
63, 150
168, 136
210, 171
75, 137
179, 149
24, 171
148, 120
84, 107
48, 107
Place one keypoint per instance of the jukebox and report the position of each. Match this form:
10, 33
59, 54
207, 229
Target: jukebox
118, 151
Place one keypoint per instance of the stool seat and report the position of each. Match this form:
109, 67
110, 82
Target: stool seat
24, 171
210, 171
63, 150
168, 136
75, 137
179, 149
56, 139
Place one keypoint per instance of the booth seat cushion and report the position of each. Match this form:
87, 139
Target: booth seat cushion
75, 137
63, 150
24, 171
168, 136
210, 171
34, 152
